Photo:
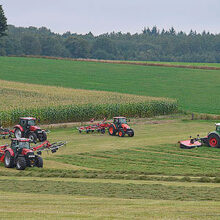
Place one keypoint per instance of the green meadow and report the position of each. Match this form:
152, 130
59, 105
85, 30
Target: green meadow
195, 89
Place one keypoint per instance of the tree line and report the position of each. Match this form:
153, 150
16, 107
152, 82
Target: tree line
151, 44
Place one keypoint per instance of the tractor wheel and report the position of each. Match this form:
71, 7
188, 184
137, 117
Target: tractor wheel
131, 134
42, 137
39, 162
21, 163
213, 140
32, 137
18, 133
112, 130
9, 160
121, 133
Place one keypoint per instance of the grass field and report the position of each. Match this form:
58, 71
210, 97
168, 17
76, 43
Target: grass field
99, 176
196, 90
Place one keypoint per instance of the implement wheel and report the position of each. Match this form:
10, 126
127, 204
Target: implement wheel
213, 140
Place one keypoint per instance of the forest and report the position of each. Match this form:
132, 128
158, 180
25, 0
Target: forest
151, 44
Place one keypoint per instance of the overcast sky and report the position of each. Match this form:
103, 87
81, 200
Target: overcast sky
101, 16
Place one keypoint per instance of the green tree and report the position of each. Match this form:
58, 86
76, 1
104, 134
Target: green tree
3, 22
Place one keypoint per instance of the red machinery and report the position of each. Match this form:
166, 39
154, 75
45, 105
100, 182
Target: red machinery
99, 127
21, 155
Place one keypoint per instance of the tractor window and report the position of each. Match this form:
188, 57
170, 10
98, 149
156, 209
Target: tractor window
122, 121
31, 122
24, 145
218, 128
22, 123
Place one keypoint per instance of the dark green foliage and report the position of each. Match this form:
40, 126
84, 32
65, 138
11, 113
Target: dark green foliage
151, 44
3, 22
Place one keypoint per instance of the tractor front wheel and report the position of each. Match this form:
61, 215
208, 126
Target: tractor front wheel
121, 133
9, 160
21, 163
39, 162
214, 140
112, 130
42, 137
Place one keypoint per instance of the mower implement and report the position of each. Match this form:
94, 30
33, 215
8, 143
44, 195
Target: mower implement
21, 155
212, 140
6, 133
120, 127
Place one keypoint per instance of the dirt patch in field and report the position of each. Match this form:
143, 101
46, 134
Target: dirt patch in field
130, 63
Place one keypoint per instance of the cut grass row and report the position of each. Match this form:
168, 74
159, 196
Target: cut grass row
196, 90
112, 190
48, 206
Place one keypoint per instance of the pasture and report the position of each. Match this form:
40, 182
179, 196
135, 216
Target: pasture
100, 176
195, 90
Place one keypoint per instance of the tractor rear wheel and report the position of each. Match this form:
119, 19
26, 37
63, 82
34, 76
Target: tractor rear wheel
42, 137
9, 160
112, 130
39, 162
18, 133
21, 163
121, 133
213, 140
32, 137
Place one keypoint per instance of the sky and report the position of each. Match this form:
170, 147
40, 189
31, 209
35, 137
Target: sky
102, 16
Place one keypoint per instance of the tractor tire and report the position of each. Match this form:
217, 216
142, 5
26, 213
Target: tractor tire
112, 131
20, 163
33, 137
9, 160
18, 133
131, 134
39, 162
42, 137
213, 140
121, 133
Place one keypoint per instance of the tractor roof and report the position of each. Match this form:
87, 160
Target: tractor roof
119, 117
21, 139
28, 118
217, 124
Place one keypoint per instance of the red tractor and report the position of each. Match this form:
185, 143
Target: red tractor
21, 155
120, 127
27, 129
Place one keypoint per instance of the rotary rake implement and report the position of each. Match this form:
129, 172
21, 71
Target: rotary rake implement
99, 127
20, 154
6, 133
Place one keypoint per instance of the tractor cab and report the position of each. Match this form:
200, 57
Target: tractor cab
119, 121
20, 143
28, 122
217, 127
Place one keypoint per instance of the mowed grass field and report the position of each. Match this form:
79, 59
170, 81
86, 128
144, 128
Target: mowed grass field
101, 177
196, 90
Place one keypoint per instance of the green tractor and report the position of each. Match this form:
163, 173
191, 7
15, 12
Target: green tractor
213, 138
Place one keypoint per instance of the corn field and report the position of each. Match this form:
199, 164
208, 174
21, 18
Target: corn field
54, 105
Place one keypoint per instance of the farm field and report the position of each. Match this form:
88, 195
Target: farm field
195, 90
100, 176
